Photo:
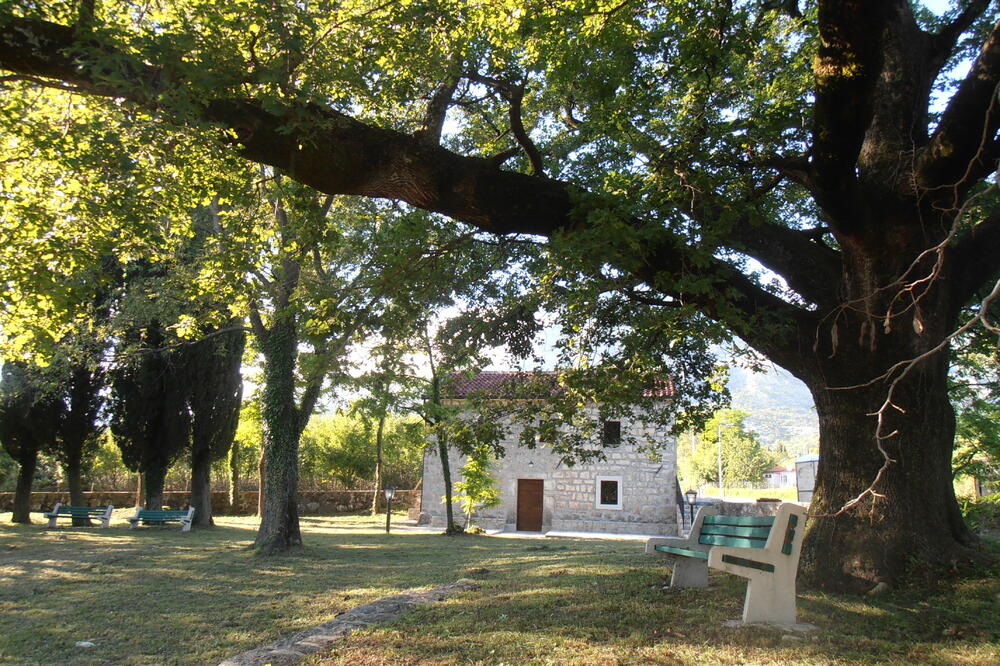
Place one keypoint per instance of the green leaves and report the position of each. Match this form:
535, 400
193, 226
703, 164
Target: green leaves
743, 457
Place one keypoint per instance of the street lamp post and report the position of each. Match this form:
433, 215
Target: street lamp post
691, 496
390, 494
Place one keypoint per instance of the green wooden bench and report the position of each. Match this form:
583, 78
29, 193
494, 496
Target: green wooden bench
162, 517
102, 513
765, 550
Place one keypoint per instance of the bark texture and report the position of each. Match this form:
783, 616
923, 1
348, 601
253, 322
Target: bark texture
279, 524
21, 511
378, 465
153, 479
233, 497
201, 487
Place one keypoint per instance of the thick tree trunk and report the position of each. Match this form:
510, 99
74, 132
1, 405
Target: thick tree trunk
140, 489
73, 471
378, 465
233, 500
279, 524
907, 520
153, 481
201, 487
22, 492
261, 472
913, 519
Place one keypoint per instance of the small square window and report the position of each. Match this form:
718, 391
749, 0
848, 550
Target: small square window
612, 433
609, 492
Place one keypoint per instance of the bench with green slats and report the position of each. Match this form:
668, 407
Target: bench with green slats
162, 517
739, 532
60, 510
764, 550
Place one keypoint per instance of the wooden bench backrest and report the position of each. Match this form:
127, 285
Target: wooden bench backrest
82, 510
744, 531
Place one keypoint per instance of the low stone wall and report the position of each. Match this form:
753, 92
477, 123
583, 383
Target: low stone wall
747, 508
311, 503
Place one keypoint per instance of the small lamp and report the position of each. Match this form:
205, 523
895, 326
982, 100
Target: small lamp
691, 496
390, 494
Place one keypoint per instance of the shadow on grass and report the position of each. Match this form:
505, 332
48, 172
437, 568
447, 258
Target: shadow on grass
202, 596
607, 614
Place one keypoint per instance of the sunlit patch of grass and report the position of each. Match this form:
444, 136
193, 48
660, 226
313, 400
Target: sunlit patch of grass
203, 596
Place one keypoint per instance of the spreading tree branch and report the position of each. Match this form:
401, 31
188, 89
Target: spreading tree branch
514, 94
944, 41
337, 154
846, 71
437, 111
811, 269
962, 148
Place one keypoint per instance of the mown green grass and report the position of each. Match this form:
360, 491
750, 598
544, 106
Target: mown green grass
157, 596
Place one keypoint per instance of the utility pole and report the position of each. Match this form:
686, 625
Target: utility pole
722, 490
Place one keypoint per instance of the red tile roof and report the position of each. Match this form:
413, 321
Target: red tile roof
497, 383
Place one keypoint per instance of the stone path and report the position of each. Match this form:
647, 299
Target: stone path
294, 648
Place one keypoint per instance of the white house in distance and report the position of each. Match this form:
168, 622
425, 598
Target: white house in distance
780, 477
628, 493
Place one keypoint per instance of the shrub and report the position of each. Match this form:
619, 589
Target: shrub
982, 513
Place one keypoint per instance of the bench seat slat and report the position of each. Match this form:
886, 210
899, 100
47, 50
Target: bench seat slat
742, 521
737, 542
682, 551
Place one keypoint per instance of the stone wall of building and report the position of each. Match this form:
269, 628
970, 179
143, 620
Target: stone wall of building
647, 487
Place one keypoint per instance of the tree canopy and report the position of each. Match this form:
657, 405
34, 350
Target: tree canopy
812, 177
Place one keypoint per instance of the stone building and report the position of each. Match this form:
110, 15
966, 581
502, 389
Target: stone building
630, 492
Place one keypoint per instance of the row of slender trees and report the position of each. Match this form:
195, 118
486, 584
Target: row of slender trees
158, 403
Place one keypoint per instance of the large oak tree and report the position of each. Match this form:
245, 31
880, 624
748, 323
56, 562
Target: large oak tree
672, 149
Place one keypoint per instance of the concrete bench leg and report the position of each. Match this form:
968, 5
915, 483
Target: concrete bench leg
769, 600
689, 572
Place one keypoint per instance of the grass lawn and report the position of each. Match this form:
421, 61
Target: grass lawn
157, 596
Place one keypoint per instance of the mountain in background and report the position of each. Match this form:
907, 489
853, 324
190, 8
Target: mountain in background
780, 409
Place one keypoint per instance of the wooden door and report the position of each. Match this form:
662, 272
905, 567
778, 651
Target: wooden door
529, 505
